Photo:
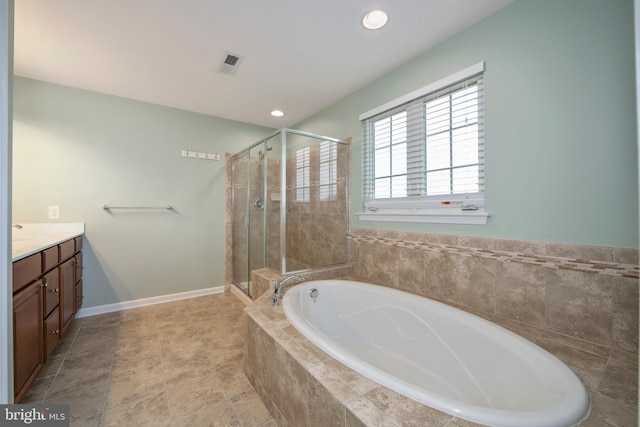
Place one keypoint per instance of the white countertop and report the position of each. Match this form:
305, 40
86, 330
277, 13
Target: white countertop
34, 238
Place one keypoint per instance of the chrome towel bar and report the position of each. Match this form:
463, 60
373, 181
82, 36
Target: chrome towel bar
107, 207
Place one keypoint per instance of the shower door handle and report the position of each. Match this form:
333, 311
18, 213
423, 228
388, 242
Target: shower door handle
246, 222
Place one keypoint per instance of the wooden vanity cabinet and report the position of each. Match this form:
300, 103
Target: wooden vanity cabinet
47, 293
27, 337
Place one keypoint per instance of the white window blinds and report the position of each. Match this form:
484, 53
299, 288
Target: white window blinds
303, 180
428, 146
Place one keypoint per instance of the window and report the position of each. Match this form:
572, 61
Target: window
423, 155
328, 187
302, 188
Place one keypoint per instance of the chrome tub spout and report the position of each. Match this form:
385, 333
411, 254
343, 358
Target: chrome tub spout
278, 291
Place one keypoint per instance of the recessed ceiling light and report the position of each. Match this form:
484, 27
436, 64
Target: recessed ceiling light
374, 20
277, 113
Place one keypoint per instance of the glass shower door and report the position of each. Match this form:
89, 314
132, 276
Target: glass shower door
256, 210
240, 240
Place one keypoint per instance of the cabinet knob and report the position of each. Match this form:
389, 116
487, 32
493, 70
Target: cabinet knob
56, 290
45, 284
56, 332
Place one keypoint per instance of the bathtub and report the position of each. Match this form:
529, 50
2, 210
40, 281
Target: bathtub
437, 355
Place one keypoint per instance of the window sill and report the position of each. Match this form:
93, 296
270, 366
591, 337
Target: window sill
478, 217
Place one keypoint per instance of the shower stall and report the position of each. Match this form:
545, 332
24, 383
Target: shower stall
289, 202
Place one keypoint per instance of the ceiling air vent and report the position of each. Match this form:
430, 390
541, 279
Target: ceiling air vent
229, 63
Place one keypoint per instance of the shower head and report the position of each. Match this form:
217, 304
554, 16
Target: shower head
261, 153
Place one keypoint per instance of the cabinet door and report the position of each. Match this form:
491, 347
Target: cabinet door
51, 290
67, 290
27, 337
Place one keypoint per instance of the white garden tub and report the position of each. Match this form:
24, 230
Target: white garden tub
435, 354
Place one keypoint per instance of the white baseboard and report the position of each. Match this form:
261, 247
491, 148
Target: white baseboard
127, 305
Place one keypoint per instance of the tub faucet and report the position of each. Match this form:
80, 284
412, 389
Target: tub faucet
280, 285
17, 226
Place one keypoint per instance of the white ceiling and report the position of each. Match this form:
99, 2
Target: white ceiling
298, 56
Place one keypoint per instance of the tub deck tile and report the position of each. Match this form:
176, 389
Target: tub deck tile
587, 366
304, 378
360, 413
405, 412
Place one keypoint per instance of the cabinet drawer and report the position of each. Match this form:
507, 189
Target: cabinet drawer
67, 249
26, 270
78, 243
52, 332
50, 258
51, 285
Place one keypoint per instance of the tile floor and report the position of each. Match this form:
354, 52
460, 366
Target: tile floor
173, 364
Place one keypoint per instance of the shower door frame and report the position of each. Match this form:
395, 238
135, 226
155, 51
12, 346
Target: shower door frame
247, 215
283, 201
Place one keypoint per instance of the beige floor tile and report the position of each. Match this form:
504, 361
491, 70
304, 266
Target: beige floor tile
136, 386
52, 365
178, 364
178, 353
150, 411
250, 409
38, 390
220, 414
70, 381
84, 403
194, 394
143, 364
233, 381
95, 421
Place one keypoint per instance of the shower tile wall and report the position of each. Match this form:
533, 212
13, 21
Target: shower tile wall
273, 212
316, 228
586, 292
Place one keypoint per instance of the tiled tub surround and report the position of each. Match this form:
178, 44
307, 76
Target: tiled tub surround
303, 386
578, 302
265, 279
586, 292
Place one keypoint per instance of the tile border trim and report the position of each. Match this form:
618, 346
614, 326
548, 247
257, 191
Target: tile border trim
575, 264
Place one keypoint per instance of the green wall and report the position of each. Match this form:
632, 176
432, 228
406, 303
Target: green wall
560, 128
79, 150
